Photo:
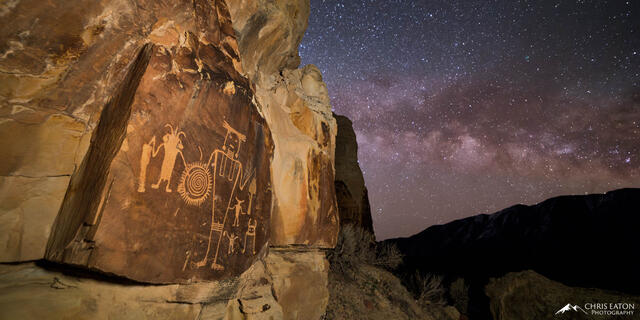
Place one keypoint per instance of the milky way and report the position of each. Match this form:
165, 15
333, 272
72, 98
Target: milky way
468, 107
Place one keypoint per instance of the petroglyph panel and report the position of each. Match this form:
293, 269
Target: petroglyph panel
188, 193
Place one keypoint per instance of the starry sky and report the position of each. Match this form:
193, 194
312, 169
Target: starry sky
463, 107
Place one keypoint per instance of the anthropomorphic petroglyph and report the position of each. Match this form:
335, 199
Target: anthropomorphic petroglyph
231, 248
251, 232
252, 191
238, 211
227, 170
145, 157
172, 148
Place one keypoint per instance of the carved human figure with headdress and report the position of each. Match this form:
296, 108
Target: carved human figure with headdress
251, 232
238, 211
227, 170
172, 147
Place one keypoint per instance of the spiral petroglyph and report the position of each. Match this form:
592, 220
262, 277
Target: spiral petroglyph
195, 183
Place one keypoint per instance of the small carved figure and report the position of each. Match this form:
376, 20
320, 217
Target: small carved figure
251, 231
145, 157
238, 212
232, 242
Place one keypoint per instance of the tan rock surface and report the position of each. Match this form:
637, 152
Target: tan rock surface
303, 130
268, 34
60, 63
28, 291
300, 279
296, 107
28, 207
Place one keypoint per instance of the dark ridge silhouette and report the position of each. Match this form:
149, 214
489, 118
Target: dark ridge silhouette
583, 241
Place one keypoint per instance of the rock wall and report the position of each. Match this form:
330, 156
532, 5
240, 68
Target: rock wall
351, 193
168, 142
295, 104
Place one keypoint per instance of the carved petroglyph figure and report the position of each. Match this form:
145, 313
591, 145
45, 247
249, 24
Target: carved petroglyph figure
221, 176
251, 232
238, 212
227, 171
231, 248
145, 157
252, 191
172, 148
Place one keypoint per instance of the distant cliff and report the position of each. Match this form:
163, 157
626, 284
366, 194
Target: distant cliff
351, 192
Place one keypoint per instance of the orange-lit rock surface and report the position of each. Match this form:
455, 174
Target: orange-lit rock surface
166, 142
296, 106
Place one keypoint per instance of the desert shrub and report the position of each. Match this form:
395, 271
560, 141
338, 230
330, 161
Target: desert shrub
459, 292
429, 288
355, 245
358, 246
388, 256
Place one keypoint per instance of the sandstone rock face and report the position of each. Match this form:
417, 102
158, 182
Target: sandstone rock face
57, 78
268, 33
300, 280
28, 291
528, 295
164, 142
28, 207
351, 192
296, 107
304, 210
179, 148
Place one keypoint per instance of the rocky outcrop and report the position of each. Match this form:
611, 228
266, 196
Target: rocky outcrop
269, 33
295, 104
351, 193
167, 142
528, 295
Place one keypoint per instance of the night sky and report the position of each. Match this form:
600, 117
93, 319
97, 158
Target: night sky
468, 107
